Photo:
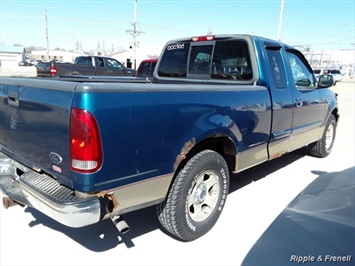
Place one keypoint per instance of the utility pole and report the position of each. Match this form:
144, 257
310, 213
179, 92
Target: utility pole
280, 21
46, 18
134, 33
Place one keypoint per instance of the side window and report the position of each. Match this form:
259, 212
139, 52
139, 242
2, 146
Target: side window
231, 60
302, 76
112, 63
277, 68
100, 62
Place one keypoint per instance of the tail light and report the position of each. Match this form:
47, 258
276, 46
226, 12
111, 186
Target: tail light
203, 38
53, 70
85, 142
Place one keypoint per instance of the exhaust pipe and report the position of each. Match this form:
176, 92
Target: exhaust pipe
120, 224
7, 202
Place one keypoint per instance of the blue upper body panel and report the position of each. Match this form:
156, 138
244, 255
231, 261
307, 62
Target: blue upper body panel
143, 131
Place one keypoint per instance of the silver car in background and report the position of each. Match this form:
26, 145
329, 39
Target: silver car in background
336, 75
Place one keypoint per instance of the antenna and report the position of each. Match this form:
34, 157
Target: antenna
134, 33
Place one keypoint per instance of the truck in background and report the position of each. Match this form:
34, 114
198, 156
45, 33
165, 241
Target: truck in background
84, 65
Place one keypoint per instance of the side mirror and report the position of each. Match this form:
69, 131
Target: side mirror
325, 81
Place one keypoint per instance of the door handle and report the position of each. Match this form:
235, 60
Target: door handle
299, 103
12, 98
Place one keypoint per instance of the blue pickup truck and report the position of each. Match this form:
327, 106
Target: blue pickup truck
83, 149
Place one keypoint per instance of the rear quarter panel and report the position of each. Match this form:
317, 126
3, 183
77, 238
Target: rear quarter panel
144, 127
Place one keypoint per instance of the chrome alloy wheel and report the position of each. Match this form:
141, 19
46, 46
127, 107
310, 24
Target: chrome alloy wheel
329, 136
204, 196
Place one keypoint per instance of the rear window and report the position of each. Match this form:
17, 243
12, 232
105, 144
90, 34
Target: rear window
174, 60
316, 71
223, 59
146, 69
231, 60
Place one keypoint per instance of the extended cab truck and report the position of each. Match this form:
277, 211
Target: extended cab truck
84, 65
81, 149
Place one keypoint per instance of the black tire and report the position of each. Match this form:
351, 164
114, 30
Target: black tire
324, 146
196, 197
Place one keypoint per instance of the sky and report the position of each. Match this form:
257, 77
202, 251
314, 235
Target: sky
318, 25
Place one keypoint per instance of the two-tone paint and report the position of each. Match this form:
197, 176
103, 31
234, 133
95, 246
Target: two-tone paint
148, 128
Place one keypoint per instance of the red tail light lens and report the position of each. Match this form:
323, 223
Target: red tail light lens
85, 142
53, 70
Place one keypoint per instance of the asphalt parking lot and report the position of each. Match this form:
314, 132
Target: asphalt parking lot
293, 210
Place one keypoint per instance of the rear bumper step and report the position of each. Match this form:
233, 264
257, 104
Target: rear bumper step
45, 194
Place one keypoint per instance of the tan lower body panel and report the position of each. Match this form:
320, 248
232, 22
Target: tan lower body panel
251, 157
304, 138
140, 194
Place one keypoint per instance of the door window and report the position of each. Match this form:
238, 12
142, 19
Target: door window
302, 74
112, 63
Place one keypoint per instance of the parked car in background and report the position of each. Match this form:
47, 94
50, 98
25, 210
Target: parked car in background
146, 68
36, 62
336, 75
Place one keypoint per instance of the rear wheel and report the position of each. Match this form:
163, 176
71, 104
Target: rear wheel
324, 146
197, 196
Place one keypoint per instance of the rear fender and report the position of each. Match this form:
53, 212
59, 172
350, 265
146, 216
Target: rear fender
223, 138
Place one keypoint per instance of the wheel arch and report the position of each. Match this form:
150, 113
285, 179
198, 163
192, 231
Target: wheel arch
222, 143
335, 112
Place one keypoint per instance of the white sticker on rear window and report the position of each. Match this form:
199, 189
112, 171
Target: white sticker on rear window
177, 46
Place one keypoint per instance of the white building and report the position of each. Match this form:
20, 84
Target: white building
10, 56
343, 60
61, 56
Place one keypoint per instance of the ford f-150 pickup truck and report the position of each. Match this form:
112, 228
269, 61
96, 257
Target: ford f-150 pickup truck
84, 149
84, 65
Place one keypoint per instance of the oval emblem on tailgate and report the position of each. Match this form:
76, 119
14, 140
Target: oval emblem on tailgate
55, 158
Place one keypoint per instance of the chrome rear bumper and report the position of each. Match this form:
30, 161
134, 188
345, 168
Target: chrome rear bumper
45, 194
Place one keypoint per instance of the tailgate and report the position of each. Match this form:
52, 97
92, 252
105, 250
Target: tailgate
34, 123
